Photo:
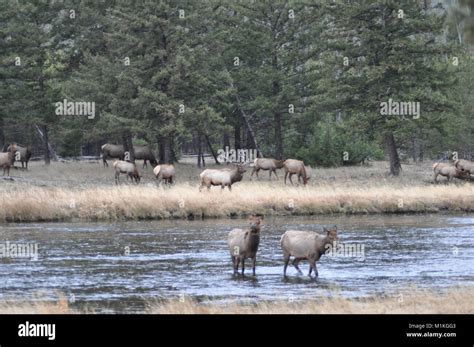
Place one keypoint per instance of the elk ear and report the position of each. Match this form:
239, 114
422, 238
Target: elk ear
246, 234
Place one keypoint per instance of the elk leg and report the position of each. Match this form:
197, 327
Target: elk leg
243, 266
286, 175
291, 179
117, 174
312, 264
253, 171
286, 259
235, 264
275, 173
254, 261
295, 264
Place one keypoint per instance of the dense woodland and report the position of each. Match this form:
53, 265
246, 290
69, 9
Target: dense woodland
292, 79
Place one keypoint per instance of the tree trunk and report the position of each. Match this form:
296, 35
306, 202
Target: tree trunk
247, 124
48, 149
391, 147
200, 157
47, 154
171, 149
226, 140
213, 152
2, 133
277, 115
416, 146
164, 151
128, 146
237, 141
278, 136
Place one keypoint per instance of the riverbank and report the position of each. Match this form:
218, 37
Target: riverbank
453, 301
184, 201
418, 302
150, 202
85, 191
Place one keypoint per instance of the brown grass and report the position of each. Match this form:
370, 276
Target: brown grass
184, 201
60, 306
86, 191
459, 300
455, 301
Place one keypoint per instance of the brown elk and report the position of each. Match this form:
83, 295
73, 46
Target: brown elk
266, 164
223, 177
295, 167
166, 171
124, 167
7, 159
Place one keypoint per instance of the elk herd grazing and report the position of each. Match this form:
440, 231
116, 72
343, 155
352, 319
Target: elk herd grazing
166, 173
208, 178
299, 244
459, 169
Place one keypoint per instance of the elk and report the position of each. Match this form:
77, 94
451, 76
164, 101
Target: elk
266, 164
110, 151
306, 245
144, 153
166, 171
292, 167
124, 167
243, 244
7, 159
223, 177
465, 166
24, 155
447, 170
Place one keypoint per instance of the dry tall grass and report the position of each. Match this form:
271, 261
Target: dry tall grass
455, 301
65, 191
60, 306
184, 201
458, 300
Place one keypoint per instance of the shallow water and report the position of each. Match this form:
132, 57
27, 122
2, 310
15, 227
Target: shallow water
91, 265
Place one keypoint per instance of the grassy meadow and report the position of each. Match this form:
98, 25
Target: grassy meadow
87, 191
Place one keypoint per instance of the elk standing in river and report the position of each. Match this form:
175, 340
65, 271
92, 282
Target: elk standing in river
243, 244
306, 245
